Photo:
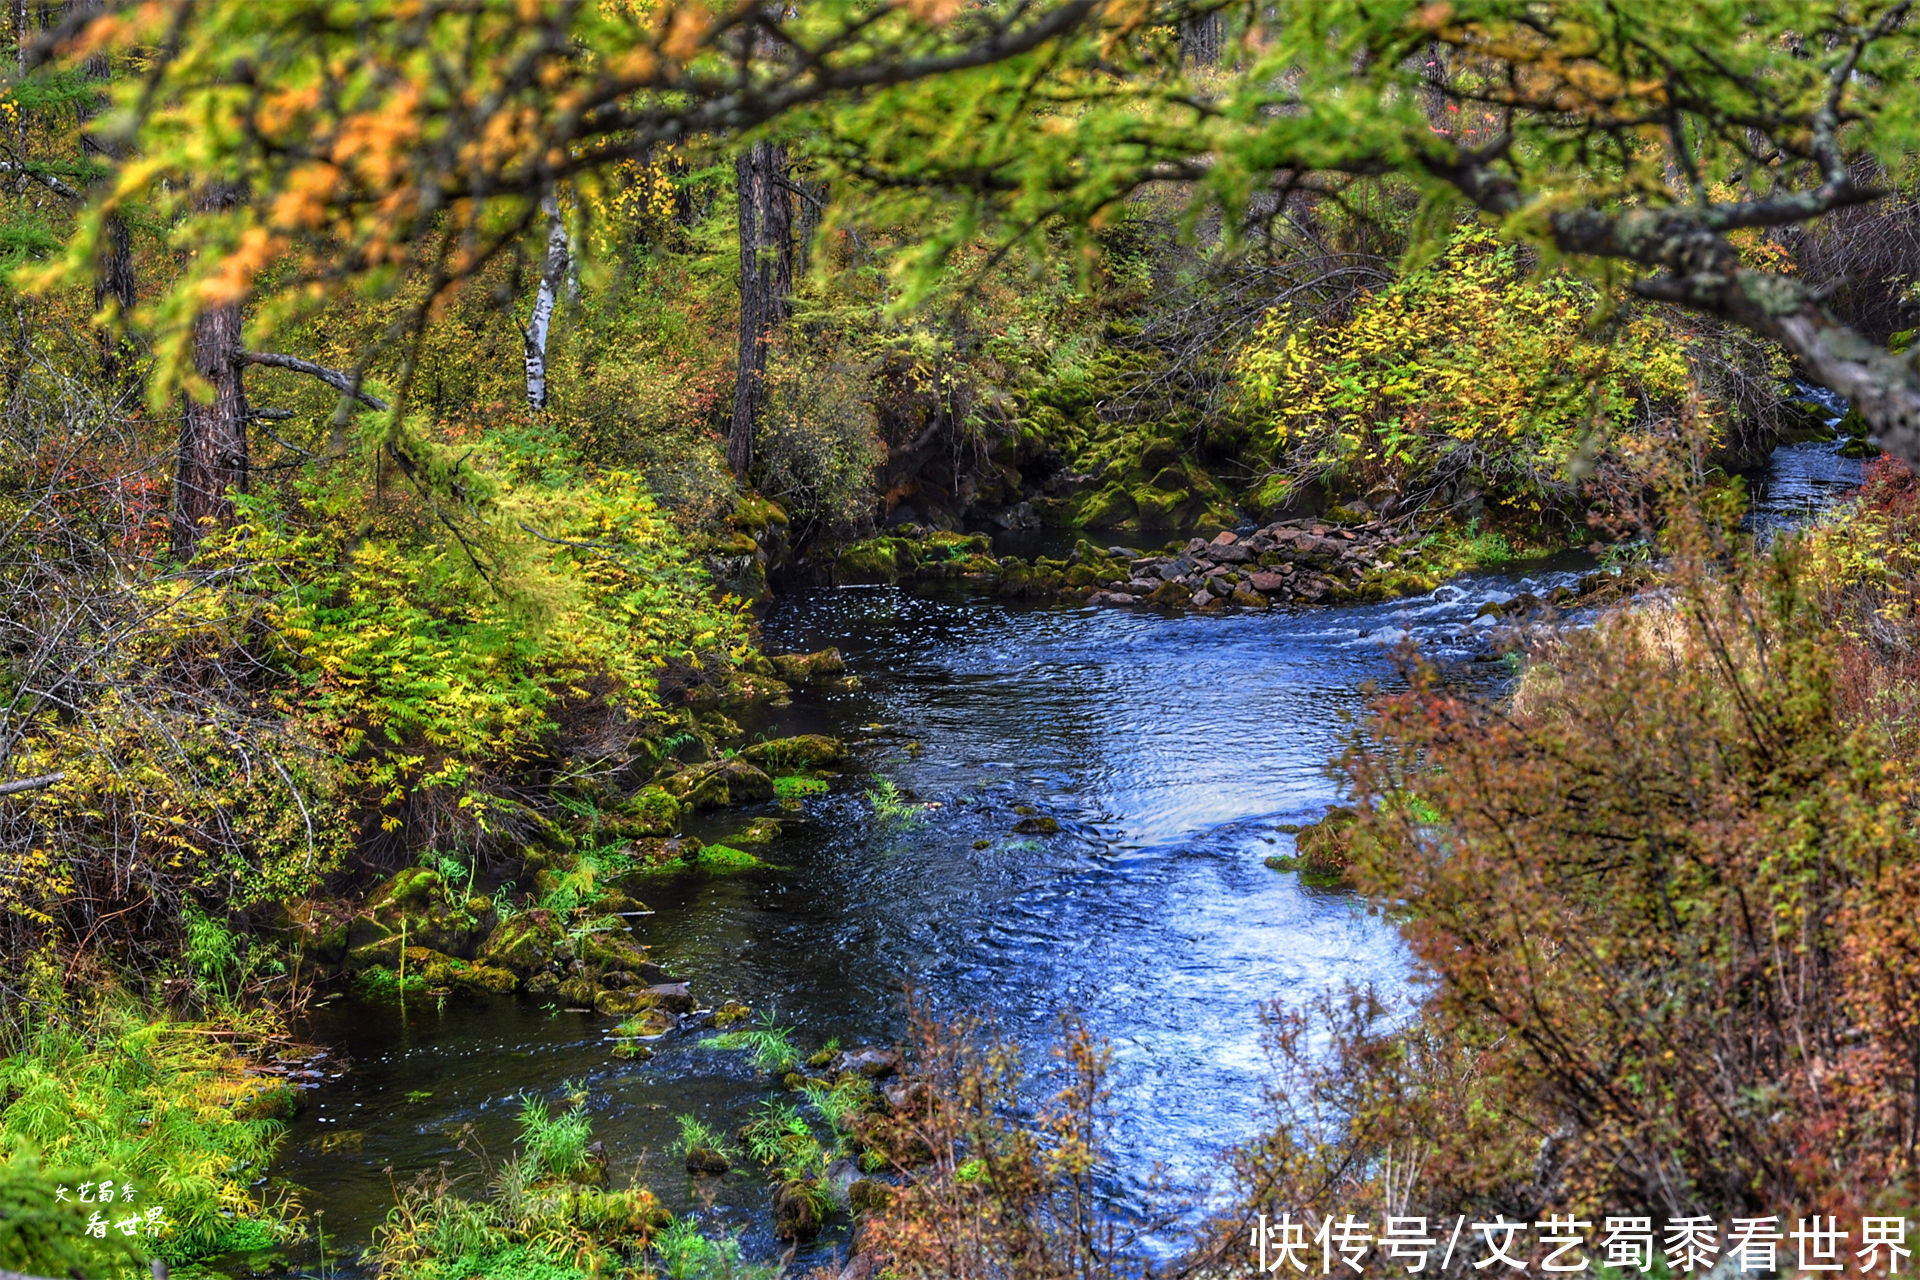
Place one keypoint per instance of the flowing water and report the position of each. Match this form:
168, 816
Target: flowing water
1171, 750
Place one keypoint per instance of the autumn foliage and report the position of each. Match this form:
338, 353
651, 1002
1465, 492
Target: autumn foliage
1661, 902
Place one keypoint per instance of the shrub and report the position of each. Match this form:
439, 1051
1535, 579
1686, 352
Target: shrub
1469, 377
1660, 907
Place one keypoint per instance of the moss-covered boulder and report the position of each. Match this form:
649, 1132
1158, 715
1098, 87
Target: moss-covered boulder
528, 944
1154, 507
805, 668
746, 689
620, 1003
453, 973
787, 755
606, 946
758, 832
417, 907
719, 783
1106, 508
873, 560
650, 811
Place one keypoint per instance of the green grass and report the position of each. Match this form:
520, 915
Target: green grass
554, 1144
686, 1254
890, 810
166, 1108
771, 1044
696, 1135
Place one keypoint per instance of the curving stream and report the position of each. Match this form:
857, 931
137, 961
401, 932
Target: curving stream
1170, 750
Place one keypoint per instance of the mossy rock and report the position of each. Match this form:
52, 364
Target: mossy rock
731, 1014
706, 1161
649, 810
723, 858
417, 906
612, 948
718, 784
1155, 508
745, 689
759, 831
881, 559
1216, 517
578, 992
754, 514
1107, 508
796, 1211
1038, 826
805, 668
416, 888
648, 1021
1272, 496
621, 1004
1157, 453
530, 943
461, 975
806, 751
943, 546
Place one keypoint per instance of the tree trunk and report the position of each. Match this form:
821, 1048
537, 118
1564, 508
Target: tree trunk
553, 277
113, 285
1200, 40
813, 211
766, 284
213, 433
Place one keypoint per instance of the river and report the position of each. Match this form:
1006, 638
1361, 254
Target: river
1171, 750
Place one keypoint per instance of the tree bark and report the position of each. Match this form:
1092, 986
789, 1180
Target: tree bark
212, 461
766, 285
553, 277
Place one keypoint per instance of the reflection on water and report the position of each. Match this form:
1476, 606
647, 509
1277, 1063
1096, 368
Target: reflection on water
1170, 750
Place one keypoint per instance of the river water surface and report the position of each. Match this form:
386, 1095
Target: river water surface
1171, 750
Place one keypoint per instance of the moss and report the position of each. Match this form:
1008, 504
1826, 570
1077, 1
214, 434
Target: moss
461, 975
527, 944
620, 1004
745, 689
1155, 507
1273, 496
805, 751
611, 948
1036, 827
805, 668
754, 514
730, 1014
651, 811
759, 831
719, 783
879, 559
793, 786
723, 858
1107, 508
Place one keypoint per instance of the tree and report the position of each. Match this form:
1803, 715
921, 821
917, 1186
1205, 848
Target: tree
766, 283
213, 424
1657, 145
553, 277
437, 150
